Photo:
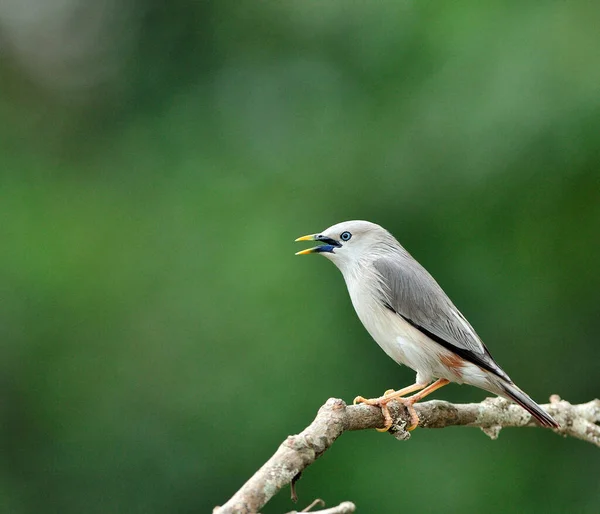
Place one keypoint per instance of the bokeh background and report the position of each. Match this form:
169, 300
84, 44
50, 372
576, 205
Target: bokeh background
158, 337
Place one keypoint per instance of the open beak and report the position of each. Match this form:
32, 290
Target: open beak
329, 245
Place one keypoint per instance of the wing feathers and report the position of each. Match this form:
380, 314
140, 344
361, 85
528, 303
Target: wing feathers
410, 291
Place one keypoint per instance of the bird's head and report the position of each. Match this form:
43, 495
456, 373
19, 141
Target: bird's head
349, 242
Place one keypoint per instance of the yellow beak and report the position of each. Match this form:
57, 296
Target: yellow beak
310, 237
307, 251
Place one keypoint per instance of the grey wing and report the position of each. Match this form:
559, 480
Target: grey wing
410, 291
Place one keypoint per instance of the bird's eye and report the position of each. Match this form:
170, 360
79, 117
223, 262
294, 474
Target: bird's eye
345, 236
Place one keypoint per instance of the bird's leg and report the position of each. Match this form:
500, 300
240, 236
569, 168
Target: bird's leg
387, 397
411, 400
390, 394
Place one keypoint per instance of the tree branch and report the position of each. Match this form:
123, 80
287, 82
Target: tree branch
297, 452
342, 508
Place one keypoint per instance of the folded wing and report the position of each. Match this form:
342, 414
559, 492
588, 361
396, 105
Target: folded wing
410, 291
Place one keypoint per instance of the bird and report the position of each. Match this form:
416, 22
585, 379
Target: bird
412, 319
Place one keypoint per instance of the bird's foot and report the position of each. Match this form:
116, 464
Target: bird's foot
375, 401
382, 403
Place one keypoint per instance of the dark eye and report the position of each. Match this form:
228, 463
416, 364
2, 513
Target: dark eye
345, 236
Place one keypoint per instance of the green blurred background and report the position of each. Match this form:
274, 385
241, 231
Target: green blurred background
158, 337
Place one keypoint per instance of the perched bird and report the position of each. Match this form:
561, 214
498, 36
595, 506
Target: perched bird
408, 314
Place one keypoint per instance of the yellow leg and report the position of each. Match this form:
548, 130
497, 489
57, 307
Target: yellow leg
388, 396
411, 400
428, 390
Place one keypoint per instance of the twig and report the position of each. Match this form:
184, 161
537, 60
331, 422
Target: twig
293, 494
334, 418
316, 502
342, 508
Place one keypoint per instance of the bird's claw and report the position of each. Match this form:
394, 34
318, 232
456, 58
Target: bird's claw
382, 402
414, 418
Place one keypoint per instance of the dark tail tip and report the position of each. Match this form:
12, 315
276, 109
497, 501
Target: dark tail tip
520, 398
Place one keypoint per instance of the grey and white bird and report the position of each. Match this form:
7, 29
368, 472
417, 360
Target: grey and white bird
411, 318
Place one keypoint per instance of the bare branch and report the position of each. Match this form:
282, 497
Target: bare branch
342, 508
297, 452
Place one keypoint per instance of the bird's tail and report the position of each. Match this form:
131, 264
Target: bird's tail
512, 392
